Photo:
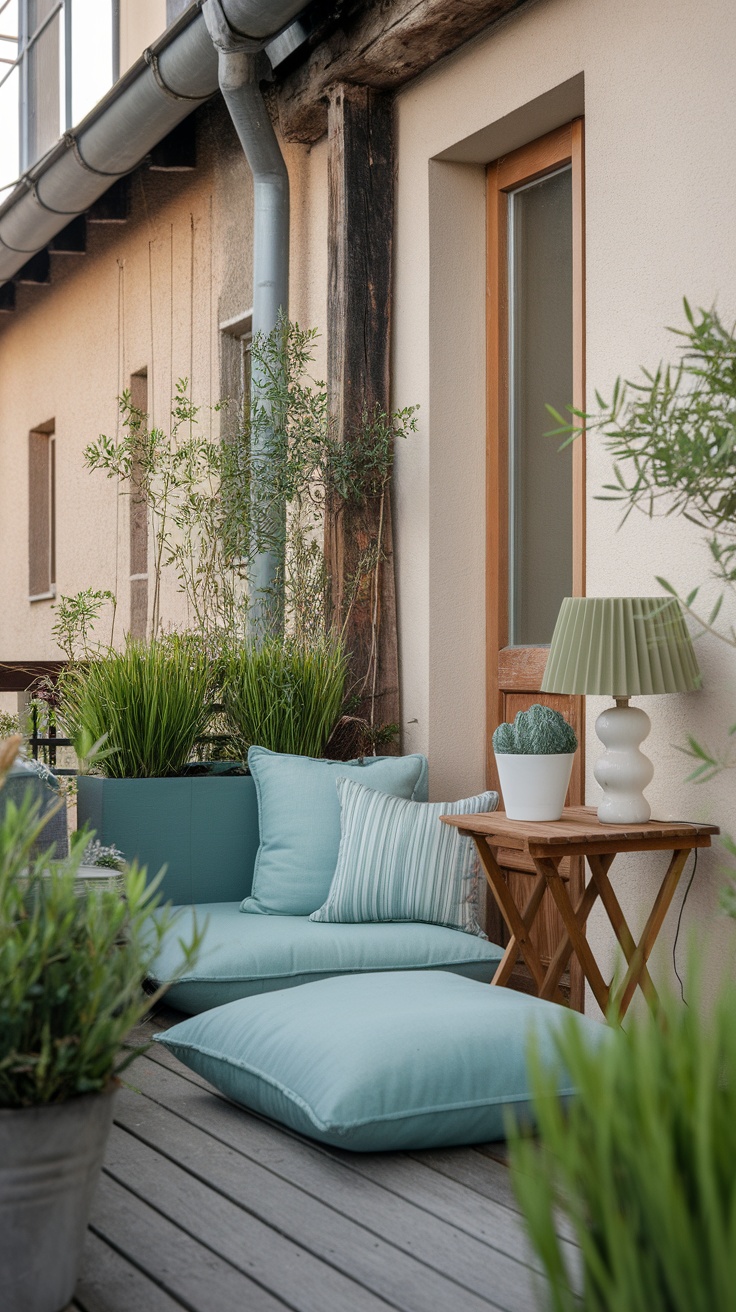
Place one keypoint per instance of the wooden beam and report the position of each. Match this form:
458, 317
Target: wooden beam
113, 205
379, 45
19, 676
360, 234
35, 270
72, 240
177, 151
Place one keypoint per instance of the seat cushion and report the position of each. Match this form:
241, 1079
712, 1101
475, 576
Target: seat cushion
377, 1062
397, 861
245, 955
299, 821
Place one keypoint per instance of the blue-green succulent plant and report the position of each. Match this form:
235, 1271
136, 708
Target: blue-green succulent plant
540, 731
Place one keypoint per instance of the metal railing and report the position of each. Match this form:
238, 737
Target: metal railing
49, 742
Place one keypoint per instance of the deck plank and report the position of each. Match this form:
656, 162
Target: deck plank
319, 1221
108, 1283
230, 1230
344, 1181
202, 1280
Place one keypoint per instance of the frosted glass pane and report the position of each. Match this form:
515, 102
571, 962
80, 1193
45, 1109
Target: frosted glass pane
9, 152
44, 81
9, 99
540, 371
91, 54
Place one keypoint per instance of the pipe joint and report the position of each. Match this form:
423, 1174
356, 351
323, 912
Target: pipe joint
224, 38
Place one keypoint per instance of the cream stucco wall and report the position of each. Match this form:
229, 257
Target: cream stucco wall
655, 88
148, 294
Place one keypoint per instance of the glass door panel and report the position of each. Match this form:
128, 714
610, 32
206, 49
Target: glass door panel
540, 371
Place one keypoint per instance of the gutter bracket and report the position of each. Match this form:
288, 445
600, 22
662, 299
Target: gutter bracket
49, 208
151, 59
71, 142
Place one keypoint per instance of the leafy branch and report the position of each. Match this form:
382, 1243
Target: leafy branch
672, 436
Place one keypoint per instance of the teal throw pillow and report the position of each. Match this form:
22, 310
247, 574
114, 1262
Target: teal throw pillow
397, 861
394, 1060
299, 822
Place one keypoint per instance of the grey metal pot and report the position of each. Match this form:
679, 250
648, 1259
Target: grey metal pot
50, 1160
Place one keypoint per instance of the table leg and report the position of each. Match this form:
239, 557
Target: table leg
564, 950
528, 915
547, 867
599, 867
651, 930
517, 923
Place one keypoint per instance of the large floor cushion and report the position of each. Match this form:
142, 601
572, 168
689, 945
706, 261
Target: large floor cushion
246, 955
377, 1062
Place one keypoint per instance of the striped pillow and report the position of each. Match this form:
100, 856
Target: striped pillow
398, 862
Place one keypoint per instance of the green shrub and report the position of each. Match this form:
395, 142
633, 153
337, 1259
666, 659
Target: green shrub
538, 731
284, 695
149, 703
641, 1164
71, 968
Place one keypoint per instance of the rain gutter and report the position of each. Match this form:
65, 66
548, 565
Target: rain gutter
173, 76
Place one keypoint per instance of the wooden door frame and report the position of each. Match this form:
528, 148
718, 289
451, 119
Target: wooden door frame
553, 151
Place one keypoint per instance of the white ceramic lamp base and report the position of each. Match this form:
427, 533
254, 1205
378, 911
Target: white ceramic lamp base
623, 772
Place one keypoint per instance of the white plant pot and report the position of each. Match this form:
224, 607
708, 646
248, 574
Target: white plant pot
534, 787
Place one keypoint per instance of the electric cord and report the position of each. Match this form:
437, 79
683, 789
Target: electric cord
679, 922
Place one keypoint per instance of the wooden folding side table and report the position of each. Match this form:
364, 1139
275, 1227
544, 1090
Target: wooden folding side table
579, 833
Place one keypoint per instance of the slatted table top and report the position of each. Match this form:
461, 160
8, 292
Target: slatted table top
580, 830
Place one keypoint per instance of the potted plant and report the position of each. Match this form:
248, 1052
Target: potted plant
151, 703
102, 865
534, 756
637, 1169
71, 973
285, 694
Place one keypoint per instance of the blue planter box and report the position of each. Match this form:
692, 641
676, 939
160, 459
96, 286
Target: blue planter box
204, 829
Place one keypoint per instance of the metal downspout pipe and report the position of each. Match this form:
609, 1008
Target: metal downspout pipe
239, 84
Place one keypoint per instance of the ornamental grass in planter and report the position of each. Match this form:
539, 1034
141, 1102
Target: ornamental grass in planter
149, 703
284, 694
640, 1164
71, 974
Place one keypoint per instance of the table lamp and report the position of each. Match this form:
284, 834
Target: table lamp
626, 647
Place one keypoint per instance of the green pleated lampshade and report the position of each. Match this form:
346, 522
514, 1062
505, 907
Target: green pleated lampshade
624, 646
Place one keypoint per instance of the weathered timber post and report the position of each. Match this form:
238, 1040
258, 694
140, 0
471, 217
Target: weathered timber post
360, 239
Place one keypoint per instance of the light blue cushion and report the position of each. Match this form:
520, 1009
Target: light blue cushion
299, 821
246, 955
377, 1062
397, 861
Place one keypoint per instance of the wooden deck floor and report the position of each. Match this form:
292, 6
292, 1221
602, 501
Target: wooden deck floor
205, 1207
